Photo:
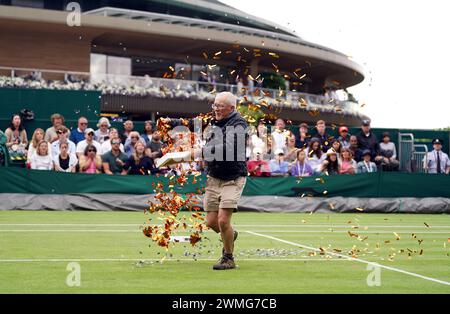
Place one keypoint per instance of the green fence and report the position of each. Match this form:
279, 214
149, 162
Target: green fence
381, 184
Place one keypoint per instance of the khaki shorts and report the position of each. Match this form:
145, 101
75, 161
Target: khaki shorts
222, 193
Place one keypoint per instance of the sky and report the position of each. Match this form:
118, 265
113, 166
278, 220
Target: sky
404, 47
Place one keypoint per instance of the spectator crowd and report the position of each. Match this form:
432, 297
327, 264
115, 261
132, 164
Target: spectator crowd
278, 152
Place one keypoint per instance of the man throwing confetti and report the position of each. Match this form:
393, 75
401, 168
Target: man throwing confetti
224, 156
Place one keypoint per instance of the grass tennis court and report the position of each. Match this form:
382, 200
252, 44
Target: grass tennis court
276, 253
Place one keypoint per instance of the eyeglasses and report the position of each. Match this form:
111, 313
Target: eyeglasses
218, 107
134, 137
115, 143
83, 123
104, 125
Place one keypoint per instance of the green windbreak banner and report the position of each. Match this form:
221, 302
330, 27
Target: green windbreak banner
381, 184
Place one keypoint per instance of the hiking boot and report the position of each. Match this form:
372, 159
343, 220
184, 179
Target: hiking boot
225, 263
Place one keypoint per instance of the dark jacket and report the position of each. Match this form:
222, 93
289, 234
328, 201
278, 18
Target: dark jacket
368, 142
218, 147
325, 141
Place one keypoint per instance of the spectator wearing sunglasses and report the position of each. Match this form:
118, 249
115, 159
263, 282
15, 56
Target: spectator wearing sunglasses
63, 134
90, 161
89, 135
102, 133
106, 146
77, 135
114, 160
131, 141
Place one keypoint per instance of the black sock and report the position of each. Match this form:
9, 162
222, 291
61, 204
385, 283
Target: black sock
228, 255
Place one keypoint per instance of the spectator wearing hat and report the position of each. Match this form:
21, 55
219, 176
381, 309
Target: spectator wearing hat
315, 155
278, 166
128, 127
90, 161
106, 146
344, 137
348, 165
368, 141
302, 138
114, 160
89, 140
301, 168
77, 135
65, 162
366, 166
63, 136
102, 133
436, 161
323, 137
388, 153
51, 133
257, 166
330, 166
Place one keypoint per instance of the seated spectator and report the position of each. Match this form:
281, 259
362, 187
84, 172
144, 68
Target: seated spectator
139, 163
344, 137
63, 136
153, 148
65, 162
356, 152
102, 133
38, 136
89, 140
436, 161
16, 138
330, 166
106, 146
114, 160
90, 161
348, 165
148, 132
291, 150
50, 134
337, 147
128, 127
259, 138
3, 150
368, 141
257, 167
388, 153
302, 138
301, 168
131, 142
315, 156
77, 135
278, 166
366, 166
322, 135
41, 159
279, 135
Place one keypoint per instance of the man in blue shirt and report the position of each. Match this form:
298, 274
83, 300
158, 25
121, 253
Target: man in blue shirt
77, 135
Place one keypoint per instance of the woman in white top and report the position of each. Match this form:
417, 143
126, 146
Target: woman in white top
65, 162
41, 160
38, 136
102, 133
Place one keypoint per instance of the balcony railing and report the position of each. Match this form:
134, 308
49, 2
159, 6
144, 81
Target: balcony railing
153, 86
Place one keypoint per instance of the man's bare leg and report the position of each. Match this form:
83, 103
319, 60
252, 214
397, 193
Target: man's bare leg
212, 221
226, 231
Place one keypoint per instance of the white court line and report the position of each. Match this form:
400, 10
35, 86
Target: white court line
352, 258
48, 260
237, 225
181, 231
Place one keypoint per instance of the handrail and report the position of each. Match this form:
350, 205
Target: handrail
199, 23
